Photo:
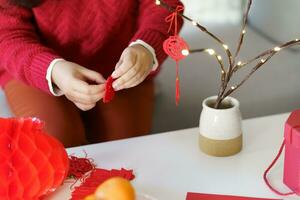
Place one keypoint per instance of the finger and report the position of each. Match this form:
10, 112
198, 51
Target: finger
83, 87
135, 81
135, 71
119, 63
84, 107
92, 75
129, 60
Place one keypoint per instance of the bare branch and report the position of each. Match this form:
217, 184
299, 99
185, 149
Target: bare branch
243, 30
203, 29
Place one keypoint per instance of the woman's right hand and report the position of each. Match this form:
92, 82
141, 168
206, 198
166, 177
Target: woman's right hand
80, 85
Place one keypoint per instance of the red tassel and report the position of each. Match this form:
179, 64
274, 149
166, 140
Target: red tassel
109, 90
177, 85
97, 177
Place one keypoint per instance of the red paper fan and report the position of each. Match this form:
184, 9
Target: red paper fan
32, 163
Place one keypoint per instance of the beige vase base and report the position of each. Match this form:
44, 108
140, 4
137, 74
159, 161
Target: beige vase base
221, 148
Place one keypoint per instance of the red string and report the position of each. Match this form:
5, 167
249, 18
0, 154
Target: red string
273, 163
270, 167
172, 19
79, 167
177, 84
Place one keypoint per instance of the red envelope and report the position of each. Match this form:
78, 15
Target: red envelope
197, 196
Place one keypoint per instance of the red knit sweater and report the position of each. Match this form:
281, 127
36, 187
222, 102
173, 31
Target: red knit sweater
92, 33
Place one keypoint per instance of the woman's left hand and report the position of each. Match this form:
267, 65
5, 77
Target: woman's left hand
133, 67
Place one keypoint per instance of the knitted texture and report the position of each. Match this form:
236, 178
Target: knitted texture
91, 33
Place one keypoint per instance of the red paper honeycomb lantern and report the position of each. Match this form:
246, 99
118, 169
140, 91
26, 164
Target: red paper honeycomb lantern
32, 163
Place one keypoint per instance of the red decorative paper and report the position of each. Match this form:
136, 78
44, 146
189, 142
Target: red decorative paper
198, 196
109, 90
97, 177
32, 163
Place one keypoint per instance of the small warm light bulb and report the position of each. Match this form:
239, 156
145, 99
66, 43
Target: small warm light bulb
244, 31
262, 60
232, 87
219, 58
223, 72
296, 40
157, 2
225, 46
185, 52
210, 51
194, 23
239, 63
277, 49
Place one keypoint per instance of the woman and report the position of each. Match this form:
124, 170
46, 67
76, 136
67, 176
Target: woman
56, 54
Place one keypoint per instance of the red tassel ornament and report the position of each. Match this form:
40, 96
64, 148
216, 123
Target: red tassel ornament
175, 47
109, 90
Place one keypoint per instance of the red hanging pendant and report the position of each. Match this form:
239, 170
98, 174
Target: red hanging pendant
109, 90
177, 49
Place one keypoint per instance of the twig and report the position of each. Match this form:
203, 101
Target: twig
243, 30
268, 52
233, 67
203, 29
211, 52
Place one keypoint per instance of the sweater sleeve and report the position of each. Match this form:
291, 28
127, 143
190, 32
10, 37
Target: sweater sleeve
22, 54
151, 25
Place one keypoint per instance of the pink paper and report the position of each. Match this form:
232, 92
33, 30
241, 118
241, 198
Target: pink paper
198, 196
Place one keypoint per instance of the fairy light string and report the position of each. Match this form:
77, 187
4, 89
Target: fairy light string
233, 65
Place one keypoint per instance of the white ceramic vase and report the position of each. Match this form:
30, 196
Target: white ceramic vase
220, 129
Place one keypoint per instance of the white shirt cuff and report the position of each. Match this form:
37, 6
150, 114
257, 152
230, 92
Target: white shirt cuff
150, 48
53, 89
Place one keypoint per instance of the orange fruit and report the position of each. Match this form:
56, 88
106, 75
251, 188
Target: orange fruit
90, 197
116, 188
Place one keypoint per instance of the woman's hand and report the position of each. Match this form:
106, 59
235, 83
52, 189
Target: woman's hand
82, 86
133, 67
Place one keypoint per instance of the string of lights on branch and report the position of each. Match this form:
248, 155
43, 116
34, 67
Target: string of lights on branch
233, 65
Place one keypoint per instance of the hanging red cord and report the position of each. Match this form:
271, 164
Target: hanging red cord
175, 47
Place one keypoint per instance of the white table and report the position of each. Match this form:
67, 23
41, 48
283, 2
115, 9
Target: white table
169, 165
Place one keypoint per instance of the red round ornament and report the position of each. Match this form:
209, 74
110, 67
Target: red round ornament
32, 163
175, 46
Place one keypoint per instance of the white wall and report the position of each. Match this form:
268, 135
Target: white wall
278, 19
214, 11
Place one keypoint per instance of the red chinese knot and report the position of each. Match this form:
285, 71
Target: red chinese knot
32, 163
174, 47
